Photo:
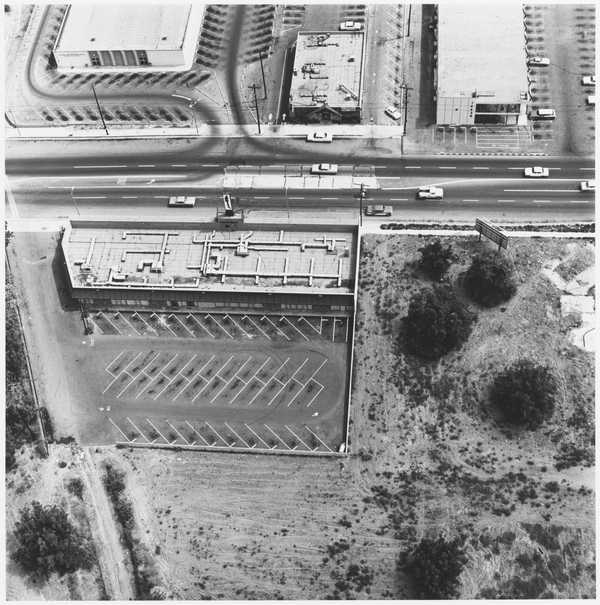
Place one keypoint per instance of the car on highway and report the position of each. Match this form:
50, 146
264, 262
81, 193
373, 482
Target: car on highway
324, 169
588, 80
536, 172
588, 185
591, 100
350, 26
393, 112
378, 210
538, 61
319, 137
430, 193
545, 114
183, 201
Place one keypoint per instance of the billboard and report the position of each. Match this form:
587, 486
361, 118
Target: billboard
493, 233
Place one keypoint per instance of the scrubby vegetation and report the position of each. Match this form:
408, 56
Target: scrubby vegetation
436, 258
436, 323
47, 542
489, 280
434, 567
524, 393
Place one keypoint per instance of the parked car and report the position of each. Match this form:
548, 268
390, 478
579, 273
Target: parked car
378, 210
588, 185
324, 169
430, 193
350, 26
588, 80
319, 137
393, 112
591, 100
545, 114
182, 200
538, 61
536, 172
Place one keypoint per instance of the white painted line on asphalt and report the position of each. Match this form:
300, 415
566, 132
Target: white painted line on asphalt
587, 169
481, 167
257, 436
505, 201
210, 165
579, 202
447, 167
118, 429
93, 166
516, 168
146, 165
295, 198
470, 200
89, 197
540, 190
262, 197
317, 437
330, 198
398, 199
412, 167
542, 201
160, 197
197, 433
129, 197
178, 165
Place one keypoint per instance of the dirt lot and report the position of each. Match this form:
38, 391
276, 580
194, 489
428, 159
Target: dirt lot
427, 456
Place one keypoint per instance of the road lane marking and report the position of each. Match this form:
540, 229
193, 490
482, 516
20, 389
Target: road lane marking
540, 190
470, 200
542, 201
579, 202
129, 197
158, 197
398, 199
481, 168
94, 166
587, 169
262, 197
413, 167
505, 201
330, 198
89, 197
178, 165
295, 198
447, 167
146, 165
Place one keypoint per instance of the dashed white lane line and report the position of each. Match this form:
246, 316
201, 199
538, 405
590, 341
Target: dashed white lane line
262, 197
129, 197
89, 197
539, 190
330, 198
542, 201
178, 165
587, 169
481, 168
470, 200
95, 166
579, 201
398, 199
412, 167
506, 201
447, 167
146, 165
160, 197
295, 198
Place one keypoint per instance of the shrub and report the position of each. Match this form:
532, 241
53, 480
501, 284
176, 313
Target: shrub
489, 280
435, 259
436, 323
435, 566
48, 542
524, 393
75, 487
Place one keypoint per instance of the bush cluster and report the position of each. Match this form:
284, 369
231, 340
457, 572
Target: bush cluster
489, 280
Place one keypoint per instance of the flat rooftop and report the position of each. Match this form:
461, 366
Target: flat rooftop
327, 69
123, 27
200, 258
481, 47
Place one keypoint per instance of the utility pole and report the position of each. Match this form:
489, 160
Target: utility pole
262, 71
362, 195
99, 110
256, 106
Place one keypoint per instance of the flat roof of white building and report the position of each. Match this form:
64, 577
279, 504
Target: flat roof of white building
481, 47
124, 27
328, 69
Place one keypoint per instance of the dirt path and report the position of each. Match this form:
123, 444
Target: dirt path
111, 555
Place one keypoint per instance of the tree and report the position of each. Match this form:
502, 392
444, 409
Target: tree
525, 393
435, 259
435, 566
489, 280
48, 542
436, 323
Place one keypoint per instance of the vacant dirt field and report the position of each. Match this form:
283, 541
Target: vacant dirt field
427, 457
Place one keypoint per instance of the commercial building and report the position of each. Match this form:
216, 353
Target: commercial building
305, 269
327, 80
135, 37
482, 64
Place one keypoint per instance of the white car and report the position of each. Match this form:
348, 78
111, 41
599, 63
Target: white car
350, 26
319, 137
539, 61
430, 193
591, 100
393, 112
378, 210
324, 169
588, 80
545, 114
588, 185
536, 172
182, 200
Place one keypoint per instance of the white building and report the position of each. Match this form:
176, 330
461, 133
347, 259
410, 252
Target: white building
482, 64
134, 37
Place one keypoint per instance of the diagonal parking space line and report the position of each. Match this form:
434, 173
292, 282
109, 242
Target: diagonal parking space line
105, 315
272, 378
253, 378
137, 429
231, 379
197, 433
278, 437
113, 361
215, 376
316, 395
193, 378
310, 325
256, 326
333, 331
129, 323
300, 440
119, 429
258, 436
152, 425
237, 325
123, 371
133, 378
152, 329
280, 331
182, 437
218, 324
240, 438
159, 373
295, 328
96, 326
290, 379
182, 324
318, 438
163, 323
202, 326
217, 434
